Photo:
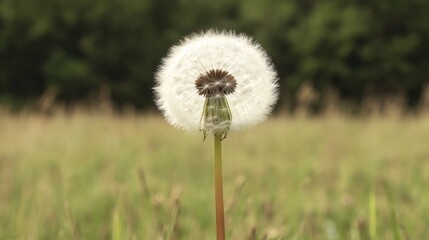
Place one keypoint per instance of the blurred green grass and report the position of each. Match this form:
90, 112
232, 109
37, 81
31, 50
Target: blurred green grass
102, 176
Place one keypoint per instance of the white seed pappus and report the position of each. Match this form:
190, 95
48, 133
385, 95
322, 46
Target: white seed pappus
238, 55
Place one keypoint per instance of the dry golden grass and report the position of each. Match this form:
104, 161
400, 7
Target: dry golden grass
90, 175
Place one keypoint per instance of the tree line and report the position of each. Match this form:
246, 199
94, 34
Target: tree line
77, 47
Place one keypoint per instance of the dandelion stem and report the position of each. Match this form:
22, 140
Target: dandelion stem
220, 223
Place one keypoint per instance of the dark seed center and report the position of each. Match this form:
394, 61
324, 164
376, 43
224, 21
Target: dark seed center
215, 82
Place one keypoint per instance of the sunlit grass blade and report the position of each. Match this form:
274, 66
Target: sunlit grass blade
393, 217
372, 215
117, 228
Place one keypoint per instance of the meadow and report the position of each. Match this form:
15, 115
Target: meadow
93, 175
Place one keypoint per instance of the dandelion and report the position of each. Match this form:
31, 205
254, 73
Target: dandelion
215, 82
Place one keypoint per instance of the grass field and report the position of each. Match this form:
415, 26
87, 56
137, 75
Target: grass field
100, 176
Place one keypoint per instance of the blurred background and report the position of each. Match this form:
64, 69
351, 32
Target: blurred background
84, 154
77, 50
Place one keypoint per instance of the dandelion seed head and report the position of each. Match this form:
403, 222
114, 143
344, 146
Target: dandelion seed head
216, 64
215, 82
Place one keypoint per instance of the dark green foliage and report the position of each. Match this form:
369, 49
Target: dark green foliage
78, 47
